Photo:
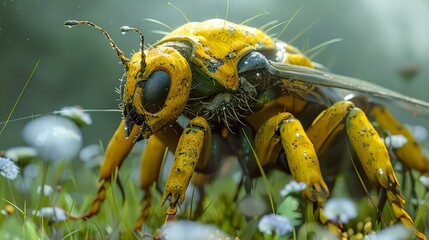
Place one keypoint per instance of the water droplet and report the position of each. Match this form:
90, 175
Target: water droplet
125, 29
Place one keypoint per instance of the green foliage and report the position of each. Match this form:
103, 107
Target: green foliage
289, 208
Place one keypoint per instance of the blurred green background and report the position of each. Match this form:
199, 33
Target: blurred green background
78, 67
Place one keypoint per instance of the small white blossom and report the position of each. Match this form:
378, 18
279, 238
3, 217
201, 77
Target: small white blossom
47, 190
8, 168
76, 114
31, 171
252, 206
4, 213
395, 141
419, 133
54, 137
396, 232
21, 153
273, 223
424, 180
54, 213
91, 155
191, 230
340, 210
292, 186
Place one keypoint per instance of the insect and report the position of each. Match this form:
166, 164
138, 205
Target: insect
227, 77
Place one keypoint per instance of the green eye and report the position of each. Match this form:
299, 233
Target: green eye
155, 91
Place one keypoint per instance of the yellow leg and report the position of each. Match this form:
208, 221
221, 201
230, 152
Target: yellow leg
151, 161
188, 156
374, 157
327, 125
410, 153
116, 151
369, 148
285, 132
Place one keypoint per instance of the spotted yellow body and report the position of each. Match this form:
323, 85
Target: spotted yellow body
218, 46
225, 78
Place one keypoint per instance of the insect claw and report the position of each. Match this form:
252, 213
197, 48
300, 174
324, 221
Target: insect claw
129, 125
143, 134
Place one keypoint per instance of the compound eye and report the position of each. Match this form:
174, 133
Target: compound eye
155, 91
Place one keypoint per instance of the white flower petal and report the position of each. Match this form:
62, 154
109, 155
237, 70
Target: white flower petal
420, 133
252, 206
395, 141
292, 186
424, 180
340, 210
91, 155
76, 114
21, 153
396, 232
274, 223
8, 168
191, 230
47, 190
55, 138
54, 213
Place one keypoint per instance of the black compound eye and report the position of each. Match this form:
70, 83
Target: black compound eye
155, 91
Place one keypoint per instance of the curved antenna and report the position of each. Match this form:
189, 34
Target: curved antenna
71, 23
125, 29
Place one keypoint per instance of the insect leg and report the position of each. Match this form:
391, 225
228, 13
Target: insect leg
151, 161
371, 151
284, 131
374, 157
302, 158
410, 154
205, 174
193, 151
116, 151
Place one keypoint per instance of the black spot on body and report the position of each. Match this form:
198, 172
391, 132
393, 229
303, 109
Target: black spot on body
213, 63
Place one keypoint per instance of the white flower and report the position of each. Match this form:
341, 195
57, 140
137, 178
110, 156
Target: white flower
340, 210
91, 155
191, 230
396, 232
252, 206
47, 190
54, 213
8, 168
292, 186
395, 141
419, 133
424, 180
274, 223
21, 153
76, 114
54, 137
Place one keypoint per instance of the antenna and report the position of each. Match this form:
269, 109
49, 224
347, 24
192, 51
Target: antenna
125, 29
71, 23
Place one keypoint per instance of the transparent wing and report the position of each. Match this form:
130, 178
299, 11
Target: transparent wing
318, 77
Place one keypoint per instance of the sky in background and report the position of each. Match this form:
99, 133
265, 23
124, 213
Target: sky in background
78, 67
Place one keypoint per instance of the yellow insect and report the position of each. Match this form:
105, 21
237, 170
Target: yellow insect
226, 76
